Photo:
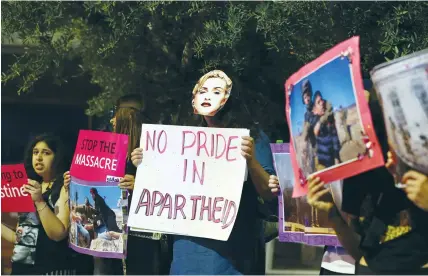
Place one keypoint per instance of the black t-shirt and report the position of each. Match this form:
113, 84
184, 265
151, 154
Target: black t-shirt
372, 195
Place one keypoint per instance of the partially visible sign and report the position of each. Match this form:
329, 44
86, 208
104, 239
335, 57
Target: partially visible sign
13, 196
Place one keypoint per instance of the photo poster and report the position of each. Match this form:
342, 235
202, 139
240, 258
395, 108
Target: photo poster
190, 181
13, 196
332, 134
97, 220
298, 221
402, 88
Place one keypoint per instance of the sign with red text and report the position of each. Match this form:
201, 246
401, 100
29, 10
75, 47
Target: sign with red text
190, 181
96, 217
13, 196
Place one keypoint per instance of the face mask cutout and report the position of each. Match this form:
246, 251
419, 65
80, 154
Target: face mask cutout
211, 93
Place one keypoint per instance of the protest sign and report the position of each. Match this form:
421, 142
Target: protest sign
332, 134
190, 181
96, 219
402, 88
13, 196
298, 221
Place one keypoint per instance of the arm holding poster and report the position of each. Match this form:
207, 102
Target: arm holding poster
55, 224
320, 198
8, 234
259, 174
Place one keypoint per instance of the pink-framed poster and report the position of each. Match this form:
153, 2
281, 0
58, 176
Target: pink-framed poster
332, 135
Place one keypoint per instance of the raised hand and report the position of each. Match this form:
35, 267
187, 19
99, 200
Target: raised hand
318, 196
137, 156
274, 184
416, 188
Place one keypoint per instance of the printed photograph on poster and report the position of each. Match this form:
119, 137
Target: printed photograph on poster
300, 222
96, 211
329, 119
211, 93
97, 217
402, 87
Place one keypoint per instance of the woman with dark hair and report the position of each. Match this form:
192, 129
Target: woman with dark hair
243, 252
156, 256
388, 233
41, 237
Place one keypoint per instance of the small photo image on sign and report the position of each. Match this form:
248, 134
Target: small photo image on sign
96, 217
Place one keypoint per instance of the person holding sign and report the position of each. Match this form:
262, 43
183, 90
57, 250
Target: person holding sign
388, 233
41, 237
127, 119
243, 252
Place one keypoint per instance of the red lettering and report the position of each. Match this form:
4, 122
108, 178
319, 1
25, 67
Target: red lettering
212, 144
224, 210
163, 133
229, 148
205, 208
195, 205
156, 203
216, 209
166, 205
195, 172
144, 203
202, 145
217, 156
225, 225
151, 140
185, 170
179, 207
183, 145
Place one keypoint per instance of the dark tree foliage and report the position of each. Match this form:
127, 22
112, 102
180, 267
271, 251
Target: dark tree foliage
160, 49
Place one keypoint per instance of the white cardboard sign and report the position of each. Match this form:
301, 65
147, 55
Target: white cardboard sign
190, 181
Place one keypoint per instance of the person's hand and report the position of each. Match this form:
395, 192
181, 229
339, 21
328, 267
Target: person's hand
247, 148
137, 156
391, 163
34, 189
274, 184
127, 182
416, 188
67, 180
318, 196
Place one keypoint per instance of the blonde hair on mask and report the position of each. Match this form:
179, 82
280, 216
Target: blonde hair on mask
214, 74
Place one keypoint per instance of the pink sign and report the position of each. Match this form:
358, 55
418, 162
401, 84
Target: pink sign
13, 196
99, 156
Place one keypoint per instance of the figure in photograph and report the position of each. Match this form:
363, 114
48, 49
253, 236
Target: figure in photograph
308, 155
327, 140
106, 218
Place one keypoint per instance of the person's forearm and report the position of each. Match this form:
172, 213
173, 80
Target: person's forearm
8, 234
53, 226
347, 237
260, 179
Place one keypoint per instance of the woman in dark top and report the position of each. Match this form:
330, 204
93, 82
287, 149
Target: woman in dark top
41, 237
243, 252
389, 230
147, 253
